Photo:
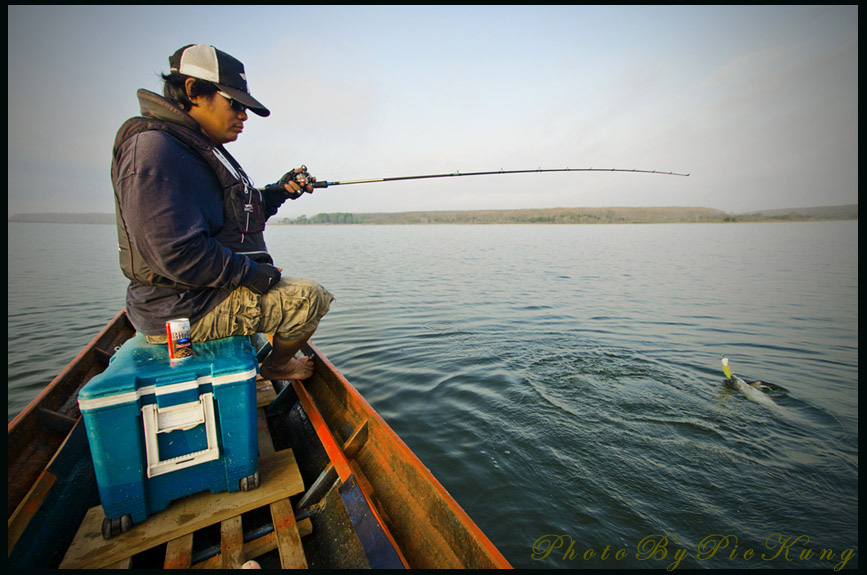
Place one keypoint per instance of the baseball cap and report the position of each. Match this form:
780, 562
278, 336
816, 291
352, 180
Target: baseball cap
227, 73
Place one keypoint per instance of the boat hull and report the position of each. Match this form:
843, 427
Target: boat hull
353, 461
428, 525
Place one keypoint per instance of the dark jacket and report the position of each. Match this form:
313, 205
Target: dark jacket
190, 223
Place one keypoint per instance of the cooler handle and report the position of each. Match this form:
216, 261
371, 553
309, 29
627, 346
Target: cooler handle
179, 417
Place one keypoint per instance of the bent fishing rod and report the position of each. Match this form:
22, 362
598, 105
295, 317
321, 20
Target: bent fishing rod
303, 178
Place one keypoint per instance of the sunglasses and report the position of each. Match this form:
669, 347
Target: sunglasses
235, 104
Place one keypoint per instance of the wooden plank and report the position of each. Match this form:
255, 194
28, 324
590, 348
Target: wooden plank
231, 543
19, 520
280, 479
179, 552
122, 564
257, 547
260, 545
288, 538
215, 562
305, 527
38, 492
252, 549
265, 393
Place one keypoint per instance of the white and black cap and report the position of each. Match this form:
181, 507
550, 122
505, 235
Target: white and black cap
227, 73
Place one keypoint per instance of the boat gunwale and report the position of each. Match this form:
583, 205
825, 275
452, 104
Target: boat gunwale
26, 428
117, 327
76, 362
405, 455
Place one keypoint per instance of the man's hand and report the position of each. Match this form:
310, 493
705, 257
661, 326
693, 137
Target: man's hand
267, 277
296, 183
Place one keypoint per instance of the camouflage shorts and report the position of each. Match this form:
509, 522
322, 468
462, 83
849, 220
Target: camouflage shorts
290, 310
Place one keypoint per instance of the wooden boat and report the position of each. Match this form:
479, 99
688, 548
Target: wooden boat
339, 489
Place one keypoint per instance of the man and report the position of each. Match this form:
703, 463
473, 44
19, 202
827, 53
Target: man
191, 224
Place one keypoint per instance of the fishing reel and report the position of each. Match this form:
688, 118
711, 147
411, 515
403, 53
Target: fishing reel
302, 177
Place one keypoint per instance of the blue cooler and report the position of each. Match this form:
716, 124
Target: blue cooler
160, 430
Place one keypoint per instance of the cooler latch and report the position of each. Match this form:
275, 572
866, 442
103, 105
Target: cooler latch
179, 417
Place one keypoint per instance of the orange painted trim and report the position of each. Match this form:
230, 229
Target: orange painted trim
407, 455
338, 458
335, 453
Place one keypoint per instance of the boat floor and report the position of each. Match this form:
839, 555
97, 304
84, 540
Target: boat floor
210, 530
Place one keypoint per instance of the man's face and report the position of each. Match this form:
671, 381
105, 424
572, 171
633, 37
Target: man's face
219, 121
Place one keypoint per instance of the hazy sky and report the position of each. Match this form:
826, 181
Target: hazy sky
759, 104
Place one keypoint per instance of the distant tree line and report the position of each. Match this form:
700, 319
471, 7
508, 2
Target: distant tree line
325, 218
611, 215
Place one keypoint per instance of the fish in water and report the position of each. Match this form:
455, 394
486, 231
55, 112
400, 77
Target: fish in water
735, 382
753, 390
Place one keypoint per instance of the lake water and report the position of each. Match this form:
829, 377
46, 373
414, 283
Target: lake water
563, 382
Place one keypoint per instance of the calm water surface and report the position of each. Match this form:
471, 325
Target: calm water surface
563, 382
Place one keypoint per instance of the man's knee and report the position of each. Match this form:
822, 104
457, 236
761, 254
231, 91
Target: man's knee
296, 306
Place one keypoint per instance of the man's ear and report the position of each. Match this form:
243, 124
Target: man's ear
188, 88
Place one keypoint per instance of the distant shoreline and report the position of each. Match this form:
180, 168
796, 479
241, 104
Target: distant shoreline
605, 215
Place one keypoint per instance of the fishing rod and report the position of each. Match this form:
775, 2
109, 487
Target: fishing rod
302, 177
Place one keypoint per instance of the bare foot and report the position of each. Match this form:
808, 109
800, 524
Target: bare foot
300, 368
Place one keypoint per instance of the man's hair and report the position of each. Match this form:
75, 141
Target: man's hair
175, 89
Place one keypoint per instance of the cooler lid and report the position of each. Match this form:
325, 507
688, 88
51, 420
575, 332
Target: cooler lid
139, 368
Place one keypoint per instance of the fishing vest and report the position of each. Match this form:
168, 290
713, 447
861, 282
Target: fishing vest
243, 210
